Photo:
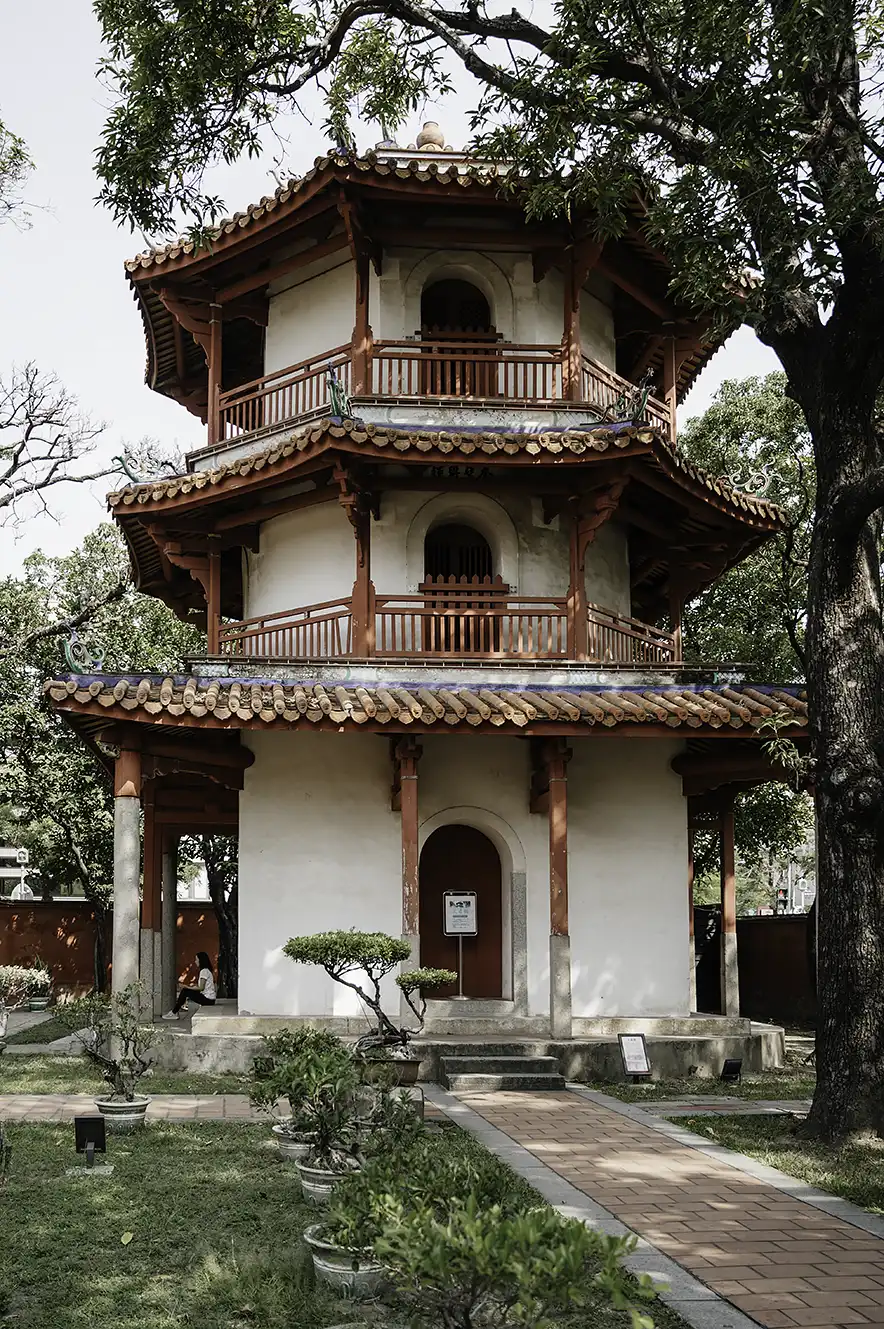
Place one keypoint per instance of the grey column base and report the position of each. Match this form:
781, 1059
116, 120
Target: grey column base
730, 975
406, 1014
127, 906
692, 977
560, 986
146, 973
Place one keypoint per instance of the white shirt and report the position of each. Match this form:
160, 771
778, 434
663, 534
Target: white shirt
207, 984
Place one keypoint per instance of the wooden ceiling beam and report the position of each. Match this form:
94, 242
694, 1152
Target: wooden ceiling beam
282, 268
264, 511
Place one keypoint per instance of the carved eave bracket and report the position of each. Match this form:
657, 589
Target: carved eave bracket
591, 514
549, 761
405, 753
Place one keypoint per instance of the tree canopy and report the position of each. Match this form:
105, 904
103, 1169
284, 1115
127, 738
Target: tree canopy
55, 797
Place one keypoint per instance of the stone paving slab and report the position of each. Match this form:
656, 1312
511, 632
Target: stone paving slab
163, 1107
780, 1252
725, 1107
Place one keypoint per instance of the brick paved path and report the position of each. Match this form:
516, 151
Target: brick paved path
163, 1107
781, 1261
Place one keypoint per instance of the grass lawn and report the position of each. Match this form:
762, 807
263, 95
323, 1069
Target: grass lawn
768, 1084
44, 1032
856, 1172
215, 1219
74, 1075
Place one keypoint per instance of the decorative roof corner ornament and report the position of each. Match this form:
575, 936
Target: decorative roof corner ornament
756, 482
80, 657
340, 402
161, 469
632, 404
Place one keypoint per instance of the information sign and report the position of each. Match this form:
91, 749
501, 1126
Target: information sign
634, 1054
459, 918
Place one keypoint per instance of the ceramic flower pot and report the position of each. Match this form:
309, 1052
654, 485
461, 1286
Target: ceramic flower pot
352, 1273
122, 1117
38, 1003
294, 1148
317, 1183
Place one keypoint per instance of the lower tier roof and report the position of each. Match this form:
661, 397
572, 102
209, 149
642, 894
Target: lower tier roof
94, 701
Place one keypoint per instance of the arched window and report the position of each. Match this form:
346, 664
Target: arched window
454, 306
456, 551
457, 333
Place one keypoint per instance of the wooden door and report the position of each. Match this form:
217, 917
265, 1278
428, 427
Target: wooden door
460, 858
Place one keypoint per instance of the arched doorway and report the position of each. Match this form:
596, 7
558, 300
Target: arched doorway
457, 334
461, 858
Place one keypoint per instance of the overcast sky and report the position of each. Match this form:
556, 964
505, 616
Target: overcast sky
64, 300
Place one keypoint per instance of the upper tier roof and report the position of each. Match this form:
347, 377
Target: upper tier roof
243, 245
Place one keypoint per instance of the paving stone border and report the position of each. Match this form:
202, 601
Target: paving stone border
696, 1303
833, 1205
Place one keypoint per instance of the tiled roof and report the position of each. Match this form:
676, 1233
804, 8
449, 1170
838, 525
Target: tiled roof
549, 443
281, 704
451, 168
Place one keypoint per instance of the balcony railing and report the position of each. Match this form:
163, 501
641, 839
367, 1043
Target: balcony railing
480, 623
421, 370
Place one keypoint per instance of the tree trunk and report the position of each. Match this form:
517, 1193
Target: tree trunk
846, 694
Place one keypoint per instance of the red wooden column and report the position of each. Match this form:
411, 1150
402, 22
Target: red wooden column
577, 621
549, 793
213, 602
572, 356
692, 949
670, 382
151, 903
361, 344
730, 974
214, 359
363, 608
406, 755
676, 610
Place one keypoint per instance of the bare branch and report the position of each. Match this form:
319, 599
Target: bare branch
66, 624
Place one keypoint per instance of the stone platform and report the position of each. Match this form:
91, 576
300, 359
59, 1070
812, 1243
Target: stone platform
225, 1040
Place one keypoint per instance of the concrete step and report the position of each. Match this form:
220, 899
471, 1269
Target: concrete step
500, 1065
474, 1083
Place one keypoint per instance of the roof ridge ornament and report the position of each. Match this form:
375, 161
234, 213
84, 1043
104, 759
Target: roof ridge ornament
756, 482
80, 657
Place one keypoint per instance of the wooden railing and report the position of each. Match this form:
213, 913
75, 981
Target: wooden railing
485, 622
316, 632
616, 399
448, 368
617, 639
287, 395
417, 370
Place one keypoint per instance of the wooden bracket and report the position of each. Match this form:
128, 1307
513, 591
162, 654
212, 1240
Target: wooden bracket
361, 244
604, 504
549, 760
405, 753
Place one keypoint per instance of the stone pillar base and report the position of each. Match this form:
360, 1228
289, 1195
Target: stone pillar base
730, 975
692, 977
406, 1014
168, 967
147, 972
559, 986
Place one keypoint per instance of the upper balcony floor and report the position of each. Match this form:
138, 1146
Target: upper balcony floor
414, 291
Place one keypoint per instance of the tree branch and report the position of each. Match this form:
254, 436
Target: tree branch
66, 624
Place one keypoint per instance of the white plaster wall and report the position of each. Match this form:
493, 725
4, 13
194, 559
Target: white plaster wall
607, 569
310, 317
319, 848
305, 558
308, 557
628, 853
483, 782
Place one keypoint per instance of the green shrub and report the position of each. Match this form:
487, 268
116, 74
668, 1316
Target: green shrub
276, 1070
476, 1261
325, 1092
113, 1037
18, 983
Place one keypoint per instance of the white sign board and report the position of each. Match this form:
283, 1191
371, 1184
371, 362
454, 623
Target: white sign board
634, 1054
459, 916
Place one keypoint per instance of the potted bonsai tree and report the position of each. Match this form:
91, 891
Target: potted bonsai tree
114, 1039
345, 956
40, 986
277, 1077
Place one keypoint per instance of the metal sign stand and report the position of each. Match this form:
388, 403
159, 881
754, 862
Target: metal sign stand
459, 920
460, 995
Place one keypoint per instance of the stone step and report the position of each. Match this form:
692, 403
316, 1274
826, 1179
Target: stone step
488, 1084
500, 1065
